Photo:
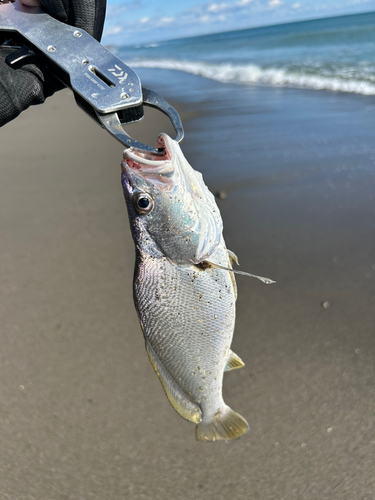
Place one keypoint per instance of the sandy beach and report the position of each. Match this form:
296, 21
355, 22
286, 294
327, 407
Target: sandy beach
82, 414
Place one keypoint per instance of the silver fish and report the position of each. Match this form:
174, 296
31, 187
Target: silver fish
184, 291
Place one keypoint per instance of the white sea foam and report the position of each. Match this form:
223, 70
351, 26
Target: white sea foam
252, 74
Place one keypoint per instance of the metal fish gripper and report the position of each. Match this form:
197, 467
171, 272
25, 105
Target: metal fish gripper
103, 85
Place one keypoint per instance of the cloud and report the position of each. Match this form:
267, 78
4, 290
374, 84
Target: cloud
166, 20
114, 11
206, 18
296, 5
217, 7
231, 6
274, 3
113, 30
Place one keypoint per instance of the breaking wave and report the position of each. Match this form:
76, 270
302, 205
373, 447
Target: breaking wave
339, 80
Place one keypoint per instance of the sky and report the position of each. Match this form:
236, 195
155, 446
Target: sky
131, 22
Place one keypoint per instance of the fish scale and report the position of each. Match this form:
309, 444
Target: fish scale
182, 290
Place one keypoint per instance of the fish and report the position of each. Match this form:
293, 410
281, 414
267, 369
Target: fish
184, 288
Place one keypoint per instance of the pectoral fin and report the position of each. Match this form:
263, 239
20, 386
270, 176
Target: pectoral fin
233, 362
267, 281
178, 399
233, 257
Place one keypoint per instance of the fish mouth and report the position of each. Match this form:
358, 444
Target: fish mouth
156, 168
162, 154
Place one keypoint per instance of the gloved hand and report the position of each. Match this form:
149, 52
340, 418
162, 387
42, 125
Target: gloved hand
32, 84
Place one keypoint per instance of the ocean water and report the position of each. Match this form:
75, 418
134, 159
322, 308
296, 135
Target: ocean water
336, 54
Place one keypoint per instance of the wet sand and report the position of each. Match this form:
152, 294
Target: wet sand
82, 414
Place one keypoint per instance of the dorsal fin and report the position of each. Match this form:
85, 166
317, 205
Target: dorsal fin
233, 362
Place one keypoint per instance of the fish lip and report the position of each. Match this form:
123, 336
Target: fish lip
156, 168
151, 158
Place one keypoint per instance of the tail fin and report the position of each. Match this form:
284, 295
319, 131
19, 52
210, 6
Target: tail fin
226, 424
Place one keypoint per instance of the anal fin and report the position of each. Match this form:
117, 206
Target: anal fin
233, 362
178, 399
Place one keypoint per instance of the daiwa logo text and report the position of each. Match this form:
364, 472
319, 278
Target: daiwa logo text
118, 73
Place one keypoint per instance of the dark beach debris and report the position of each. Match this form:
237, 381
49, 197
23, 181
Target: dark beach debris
220, 195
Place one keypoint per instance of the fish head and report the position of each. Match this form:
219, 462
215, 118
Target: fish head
169, 204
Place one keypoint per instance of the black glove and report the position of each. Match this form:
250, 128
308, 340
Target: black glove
32, 84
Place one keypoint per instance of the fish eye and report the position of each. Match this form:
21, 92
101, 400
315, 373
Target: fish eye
143, 203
